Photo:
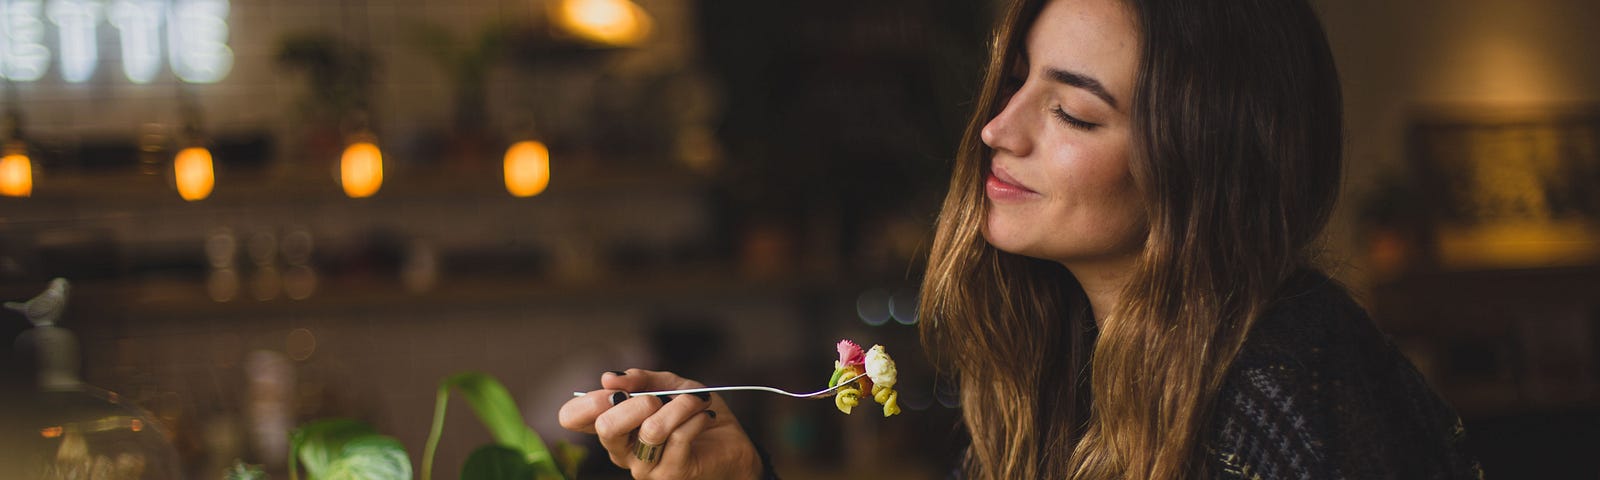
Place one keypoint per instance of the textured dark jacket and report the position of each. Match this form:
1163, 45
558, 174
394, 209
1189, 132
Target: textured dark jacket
1317, 392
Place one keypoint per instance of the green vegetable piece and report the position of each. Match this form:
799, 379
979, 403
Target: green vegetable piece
837, 374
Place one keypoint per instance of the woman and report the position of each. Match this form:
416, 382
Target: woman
1136, 202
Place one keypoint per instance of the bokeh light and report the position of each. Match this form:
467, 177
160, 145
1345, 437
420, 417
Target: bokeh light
873, 307
193, 173
903, 306
611, 22
16, 175
361, 170
527, 168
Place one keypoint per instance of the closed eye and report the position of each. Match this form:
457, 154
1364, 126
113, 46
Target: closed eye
1072, 121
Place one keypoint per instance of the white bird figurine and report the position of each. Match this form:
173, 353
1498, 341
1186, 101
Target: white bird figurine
46, 308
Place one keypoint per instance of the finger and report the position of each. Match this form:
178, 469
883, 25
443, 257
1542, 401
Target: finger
640, 380
579, 413
615, 427
676, 456
655, 429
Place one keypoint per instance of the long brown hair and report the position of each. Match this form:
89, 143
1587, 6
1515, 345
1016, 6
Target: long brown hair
1237, 154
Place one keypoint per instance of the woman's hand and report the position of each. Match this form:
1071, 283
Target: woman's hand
692, 436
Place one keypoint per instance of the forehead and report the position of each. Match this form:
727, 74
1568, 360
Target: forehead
1094, 37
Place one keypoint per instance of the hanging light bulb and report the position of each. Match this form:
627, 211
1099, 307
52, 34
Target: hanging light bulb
192, 172
16, 173
527, 168
611, 22
16, 170
361, 168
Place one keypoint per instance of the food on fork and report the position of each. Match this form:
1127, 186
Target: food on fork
880, 379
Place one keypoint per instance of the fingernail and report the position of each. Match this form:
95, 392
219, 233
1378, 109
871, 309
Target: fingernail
703, 396
617, 372
618, 397
712, 414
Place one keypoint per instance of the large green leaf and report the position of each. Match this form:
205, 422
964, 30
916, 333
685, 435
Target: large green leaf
494, 407
371, 457
317, 444
346, 449
496, 462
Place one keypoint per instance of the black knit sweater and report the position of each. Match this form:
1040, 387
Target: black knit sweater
1318, 392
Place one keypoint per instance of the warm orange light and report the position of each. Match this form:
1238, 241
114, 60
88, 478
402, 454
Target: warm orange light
136, 425
527, 168
16, 175
192, 171
361, 169
613, 22
50, 432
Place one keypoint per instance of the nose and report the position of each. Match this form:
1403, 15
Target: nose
1006, 132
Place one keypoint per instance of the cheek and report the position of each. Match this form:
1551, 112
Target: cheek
1101, 202
1120, 210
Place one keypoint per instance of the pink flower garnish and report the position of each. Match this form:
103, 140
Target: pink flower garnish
850, 354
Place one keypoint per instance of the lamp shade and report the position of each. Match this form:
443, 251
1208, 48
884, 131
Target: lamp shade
527, 168
193, 173
361, 170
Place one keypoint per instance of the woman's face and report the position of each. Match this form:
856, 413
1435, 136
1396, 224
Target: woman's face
1059, 187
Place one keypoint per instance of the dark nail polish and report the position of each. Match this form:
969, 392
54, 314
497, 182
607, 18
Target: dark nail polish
712, 414
618, 397
618, 372
703, 396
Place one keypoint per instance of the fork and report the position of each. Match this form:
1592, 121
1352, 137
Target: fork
824, 393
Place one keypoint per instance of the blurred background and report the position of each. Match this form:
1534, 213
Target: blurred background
274, 212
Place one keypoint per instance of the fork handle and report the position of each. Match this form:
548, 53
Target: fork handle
660, 392
695, 390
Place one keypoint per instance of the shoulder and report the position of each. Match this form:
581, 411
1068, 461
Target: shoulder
1318, 392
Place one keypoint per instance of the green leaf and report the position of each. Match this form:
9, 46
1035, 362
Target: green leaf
346, 449
371, 457
318, 444
496, 462
569, 457
494, 407
244, 471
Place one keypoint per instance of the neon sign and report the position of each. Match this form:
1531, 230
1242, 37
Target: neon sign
22, 57
197, 41
196, 34
75, 21
139, 23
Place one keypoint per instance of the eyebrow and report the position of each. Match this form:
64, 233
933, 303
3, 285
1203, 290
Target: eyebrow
1082, 81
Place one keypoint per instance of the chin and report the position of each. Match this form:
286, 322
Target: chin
1008, 241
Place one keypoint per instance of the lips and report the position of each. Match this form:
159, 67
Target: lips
999, 175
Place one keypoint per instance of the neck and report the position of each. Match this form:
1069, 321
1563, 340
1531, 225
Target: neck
1102, 282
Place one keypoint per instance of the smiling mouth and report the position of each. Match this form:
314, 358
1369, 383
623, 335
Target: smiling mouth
1000, 178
